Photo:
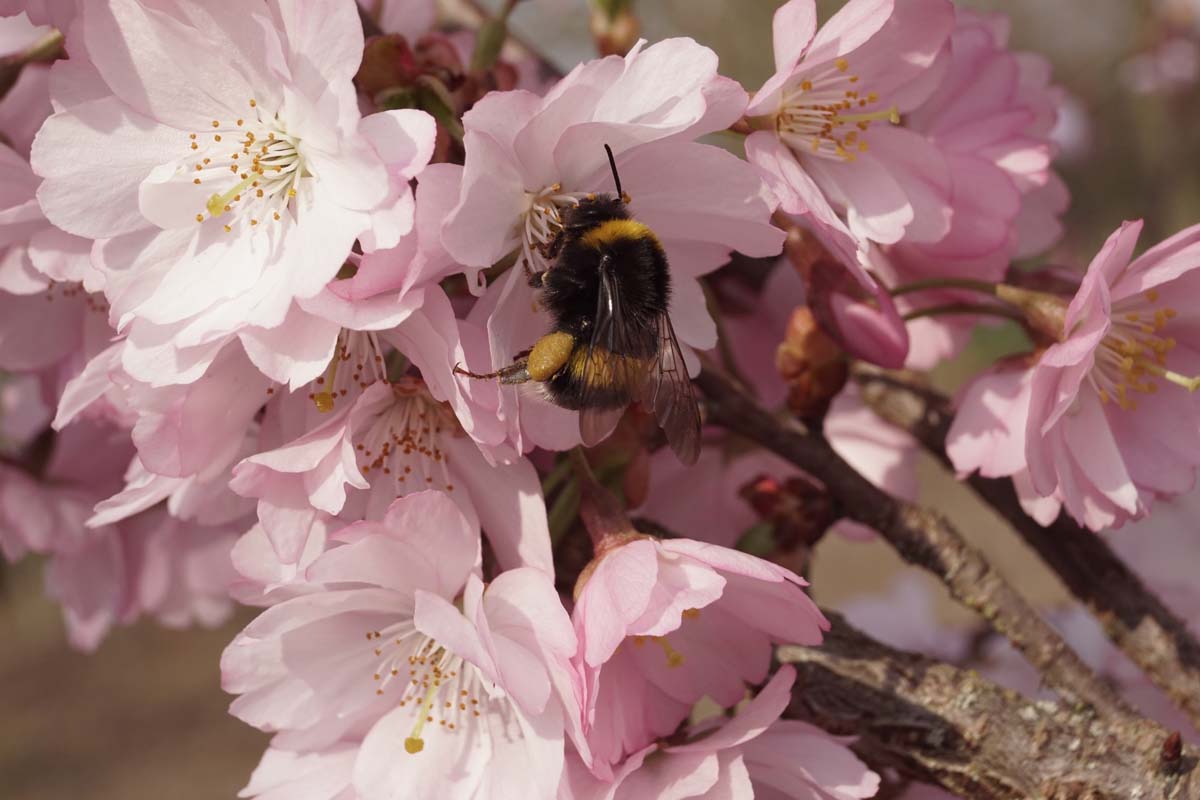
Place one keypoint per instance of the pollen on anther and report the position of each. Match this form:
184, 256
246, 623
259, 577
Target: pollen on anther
253, 103
228, 229
199, 218
241, 122
216, 124
842, 64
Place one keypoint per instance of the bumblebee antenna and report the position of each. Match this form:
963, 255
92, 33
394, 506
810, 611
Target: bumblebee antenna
612, 162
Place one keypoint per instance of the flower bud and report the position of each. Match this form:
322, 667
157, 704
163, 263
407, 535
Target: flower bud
812, 365
863, 321
798, 509
615, 34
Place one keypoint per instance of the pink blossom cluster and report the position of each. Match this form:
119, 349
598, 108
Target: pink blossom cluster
238, 294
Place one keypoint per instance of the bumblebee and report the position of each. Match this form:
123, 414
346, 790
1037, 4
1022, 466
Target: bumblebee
611, 344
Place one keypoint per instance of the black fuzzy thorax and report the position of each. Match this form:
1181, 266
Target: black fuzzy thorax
637, 266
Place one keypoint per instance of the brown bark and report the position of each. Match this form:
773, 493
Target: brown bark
1136, 621
945, 725
922, 537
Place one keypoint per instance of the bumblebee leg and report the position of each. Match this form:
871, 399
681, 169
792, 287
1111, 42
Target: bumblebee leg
533, 278
536, 279
516, 372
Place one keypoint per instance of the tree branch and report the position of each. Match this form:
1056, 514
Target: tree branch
945, 725
1136, 621
921, 537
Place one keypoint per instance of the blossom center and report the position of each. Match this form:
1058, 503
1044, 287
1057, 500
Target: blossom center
437, 685
404, 441
356, 364
542, 224
1135, 352
674, 657
253, 165
826, 114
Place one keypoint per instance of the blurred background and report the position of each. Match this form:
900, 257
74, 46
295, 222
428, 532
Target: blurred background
145, 717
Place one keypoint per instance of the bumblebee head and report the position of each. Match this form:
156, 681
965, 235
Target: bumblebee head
593, 210
597, 208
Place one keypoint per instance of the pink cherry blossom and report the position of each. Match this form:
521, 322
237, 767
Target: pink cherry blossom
988, 435
394, 439
52, 320
530, 158
795, 759
18, 33
752, 755
318, 775
202, 246
829, 152
409, 18
488, 674
112, 574
1113, 418
42, 13
992, 118
663, 623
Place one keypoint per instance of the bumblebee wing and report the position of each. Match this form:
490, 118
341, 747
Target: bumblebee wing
667, 389
607, 382
597, 424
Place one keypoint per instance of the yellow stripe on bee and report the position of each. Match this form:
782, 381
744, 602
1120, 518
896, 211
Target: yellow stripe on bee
613, 230
549, 354
607, 370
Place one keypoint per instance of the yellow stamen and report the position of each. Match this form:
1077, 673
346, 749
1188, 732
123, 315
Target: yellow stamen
1191, 384
414, 743
674, 657
324, 400
892, 115
218, 204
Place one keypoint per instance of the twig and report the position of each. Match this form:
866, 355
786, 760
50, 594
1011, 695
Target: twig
941, 724
920, 536
1134, 618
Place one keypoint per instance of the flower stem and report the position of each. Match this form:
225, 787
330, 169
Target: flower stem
964, 308
983, 287
601, 512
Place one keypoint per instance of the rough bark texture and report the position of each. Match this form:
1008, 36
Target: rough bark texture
1135, 619
922, 537
952, 727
